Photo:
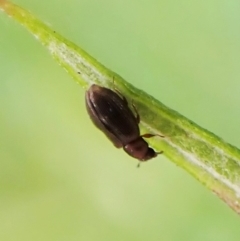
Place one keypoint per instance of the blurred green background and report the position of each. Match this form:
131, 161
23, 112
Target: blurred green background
60, 178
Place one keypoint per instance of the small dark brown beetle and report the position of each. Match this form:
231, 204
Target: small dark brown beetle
110, 113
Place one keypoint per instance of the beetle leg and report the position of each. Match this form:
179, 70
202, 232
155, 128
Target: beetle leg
126, 102
121, 96
137, 115
147, 135
119, 93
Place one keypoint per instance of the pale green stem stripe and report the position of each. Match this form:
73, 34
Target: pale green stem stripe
208, 158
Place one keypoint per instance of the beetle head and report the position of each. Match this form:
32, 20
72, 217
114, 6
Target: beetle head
140, 150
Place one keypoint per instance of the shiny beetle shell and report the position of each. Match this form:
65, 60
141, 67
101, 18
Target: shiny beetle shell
111, 114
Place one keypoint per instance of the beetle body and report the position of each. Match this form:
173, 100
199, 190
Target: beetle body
111, 114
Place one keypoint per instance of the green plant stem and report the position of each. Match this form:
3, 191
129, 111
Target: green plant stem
208, 158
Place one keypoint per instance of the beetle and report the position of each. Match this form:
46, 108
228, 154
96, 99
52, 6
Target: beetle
111, 114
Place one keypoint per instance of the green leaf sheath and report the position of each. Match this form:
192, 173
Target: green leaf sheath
208, 158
